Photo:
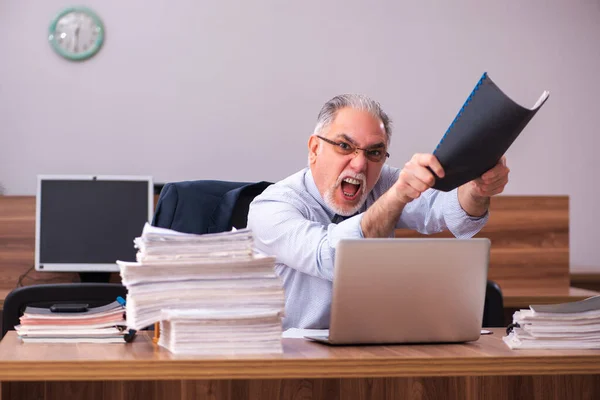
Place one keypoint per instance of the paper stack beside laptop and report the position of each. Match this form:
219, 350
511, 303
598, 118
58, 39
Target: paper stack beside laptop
211, 293
573, 325
104, 324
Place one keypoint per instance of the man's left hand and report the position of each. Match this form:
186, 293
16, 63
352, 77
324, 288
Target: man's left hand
490, 183
474, 196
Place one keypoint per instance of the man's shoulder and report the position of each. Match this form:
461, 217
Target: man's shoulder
388, 176
288, 188
390, 172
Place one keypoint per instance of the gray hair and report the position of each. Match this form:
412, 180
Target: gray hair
354, 101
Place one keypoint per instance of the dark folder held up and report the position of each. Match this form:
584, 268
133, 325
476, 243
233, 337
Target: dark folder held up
482, 131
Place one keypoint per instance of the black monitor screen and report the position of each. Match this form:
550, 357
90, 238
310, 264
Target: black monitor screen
91, 221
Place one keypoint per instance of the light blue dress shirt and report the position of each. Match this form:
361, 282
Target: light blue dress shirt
291, 221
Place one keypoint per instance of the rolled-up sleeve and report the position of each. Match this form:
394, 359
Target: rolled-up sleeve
461, 224
436, 211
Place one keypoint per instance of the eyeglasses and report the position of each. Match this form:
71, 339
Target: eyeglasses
345, 148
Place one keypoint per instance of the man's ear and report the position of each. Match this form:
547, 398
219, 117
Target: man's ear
313, 149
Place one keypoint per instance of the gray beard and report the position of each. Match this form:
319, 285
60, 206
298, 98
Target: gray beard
331, 204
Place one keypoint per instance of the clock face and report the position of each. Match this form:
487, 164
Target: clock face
76, 33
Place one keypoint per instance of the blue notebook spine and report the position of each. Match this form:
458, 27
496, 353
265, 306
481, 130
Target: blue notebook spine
483, 78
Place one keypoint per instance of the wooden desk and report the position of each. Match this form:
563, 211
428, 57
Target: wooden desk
516, 298
586, 280
306, 370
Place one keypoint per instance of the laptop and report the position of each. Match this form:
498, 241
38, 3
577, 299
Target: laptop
425, 290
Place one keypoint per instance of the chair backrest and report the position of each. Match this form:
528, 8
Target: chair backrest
205, 206
493, 309
46, 295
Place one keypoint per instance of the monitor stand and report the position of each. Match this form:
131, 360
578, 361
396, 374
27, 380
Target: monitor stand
94, 277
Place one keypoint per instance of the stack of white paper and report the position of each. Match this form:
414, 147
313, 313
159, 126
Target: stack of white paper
231, 331
573, 325
104, 324
159, 244
210, 292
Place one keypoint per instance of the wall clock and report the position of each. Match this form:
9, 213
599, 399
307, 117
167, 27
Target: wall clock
76, 33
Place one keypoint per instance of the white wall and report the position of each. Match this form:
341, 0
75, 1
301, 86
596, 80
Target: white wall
231, 89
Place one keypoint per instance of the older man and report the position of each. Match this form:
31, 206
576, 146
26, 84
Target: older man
347, 191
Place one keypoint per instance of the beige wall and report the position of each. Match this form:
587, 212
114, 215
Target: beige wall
230, 89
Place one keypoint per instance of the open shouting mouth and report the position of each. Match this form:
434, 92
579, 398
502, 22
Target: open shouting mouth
350, 188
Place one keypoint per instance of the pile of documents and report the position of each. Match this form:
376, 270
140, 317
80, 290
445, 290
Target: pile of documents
104, 324
573, 325
211, 293
232, 331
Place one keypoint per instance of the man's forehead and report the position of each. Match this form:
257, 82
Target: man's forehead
370, 141
357, 136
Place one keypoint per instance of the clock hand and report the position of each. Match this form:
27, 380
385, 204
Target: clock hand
76, 45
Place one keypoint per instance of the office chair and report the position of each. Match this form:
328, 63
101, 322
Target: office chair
45, 295
493, 309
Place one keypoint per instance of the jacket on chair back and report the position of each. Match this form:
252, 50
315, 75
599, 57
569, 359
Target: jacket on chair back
205, 206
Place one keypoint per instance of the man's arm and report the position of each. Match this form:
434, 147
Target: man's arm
381, 218
475, 206
282, 228
430, 212
463, 211
475, 196
414, 179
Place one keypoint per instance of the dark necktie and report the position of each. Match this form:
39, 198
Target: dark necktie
339, 218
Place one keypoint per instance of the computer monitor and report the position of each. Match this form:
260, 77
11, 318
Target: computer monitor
86, 223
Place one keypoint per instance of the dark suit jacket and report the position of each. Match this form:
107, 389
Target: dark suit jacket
205, 206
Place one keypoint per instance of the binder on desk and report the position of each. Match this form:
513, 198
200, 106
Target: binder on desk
482, 131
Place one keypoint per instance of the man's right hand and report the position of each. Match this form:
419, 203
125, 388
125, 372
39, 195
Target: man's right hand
415, 178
